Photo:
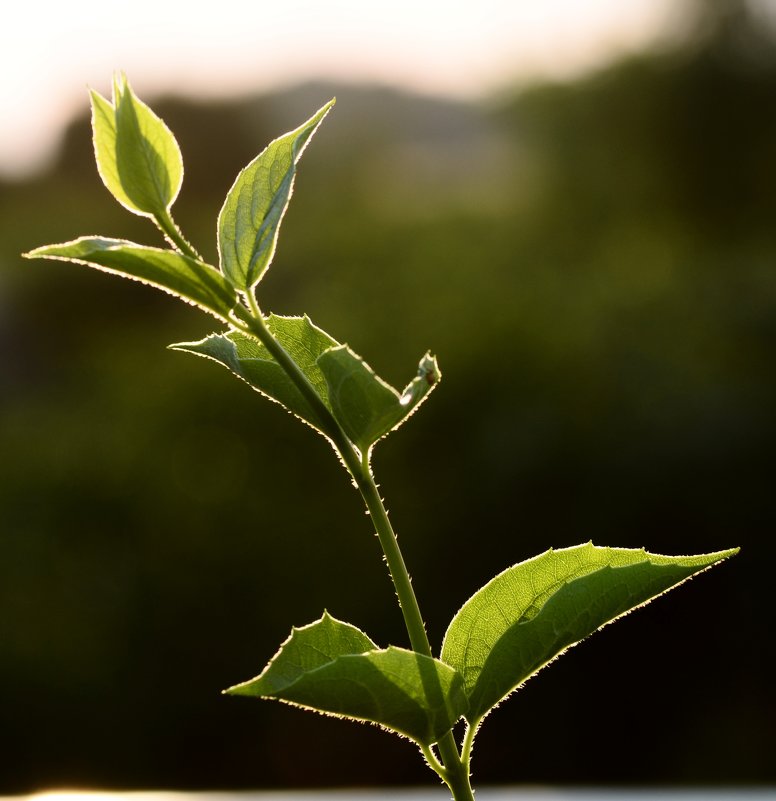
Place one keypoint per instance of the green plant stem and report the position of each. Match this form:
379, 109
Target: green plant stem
175, 237
456, 774
468, 741
413, 619
454, 771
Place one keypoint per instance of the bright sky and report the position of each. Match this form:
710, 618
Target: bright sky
51, 51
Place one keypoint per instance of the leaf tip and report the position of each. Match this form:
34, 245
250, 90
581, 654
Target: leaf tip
42, 252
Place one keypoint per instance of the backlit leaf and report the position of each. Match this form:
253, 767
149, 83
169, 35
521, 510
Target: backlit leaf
334, 668
306, 649
367, 407
189, 279
532, 612
254, 207
248, 359
137, 155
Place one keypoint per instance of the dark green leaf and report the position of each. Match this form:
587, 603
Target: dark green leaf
532, 612
186, 278
251, 215
248, 359
334, 668
137, 156
366, 407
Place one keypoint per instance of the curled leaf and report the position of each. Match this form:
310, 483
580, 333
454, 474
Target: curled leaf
367, 407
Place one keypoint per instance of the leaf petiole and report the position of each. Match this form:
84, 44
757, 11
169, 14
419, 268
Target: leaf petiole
466, 746
174, 236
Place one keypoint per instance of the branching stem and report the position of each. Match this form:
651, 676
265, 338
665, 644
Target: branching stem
451, 767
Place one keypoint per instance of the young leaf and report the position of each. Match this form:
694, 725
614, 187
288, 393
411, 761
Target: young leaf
534, 611
138, 158
334, 668
189, 279
365, 406
248, 359
254, 207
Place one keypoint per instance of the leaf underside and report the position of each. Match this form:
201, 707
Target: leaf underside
186, 278
365, 406
248, 359
333, 668
532, 612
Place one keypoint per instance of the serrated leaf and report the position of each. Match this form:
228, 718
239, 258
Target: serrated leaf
186, 278
248, 359
250, 218
365, 406
306, 649
334, 668
534, 611
137, 155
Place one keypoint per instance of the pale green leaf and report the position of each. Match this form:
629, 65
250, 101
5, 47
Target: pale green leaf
532, 612
138, 158
250, 218
189, 279
334, 668
248, 359
104, 139
365, 406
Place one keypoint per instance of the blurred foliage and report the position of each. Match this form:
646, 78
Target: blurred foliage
594, 265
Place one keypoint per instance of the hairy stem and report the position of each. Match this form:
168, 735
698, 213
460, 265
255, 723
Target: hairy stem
468, 742
413, 620
453, 770
174, 236
252, 322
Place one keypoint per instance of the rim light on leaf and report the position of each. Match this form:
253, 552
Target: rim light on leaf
250, 218
364, 405
532, 612
249, 360
334, 668
186, 278
367, 407
506, 632
137, 155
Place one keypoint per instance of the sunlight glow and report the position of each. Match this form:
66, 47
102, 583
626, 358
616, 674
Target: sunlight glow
94, 795
51, 52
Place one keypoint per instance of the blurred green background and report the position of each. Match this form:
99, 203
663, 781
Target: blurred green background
594, 263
